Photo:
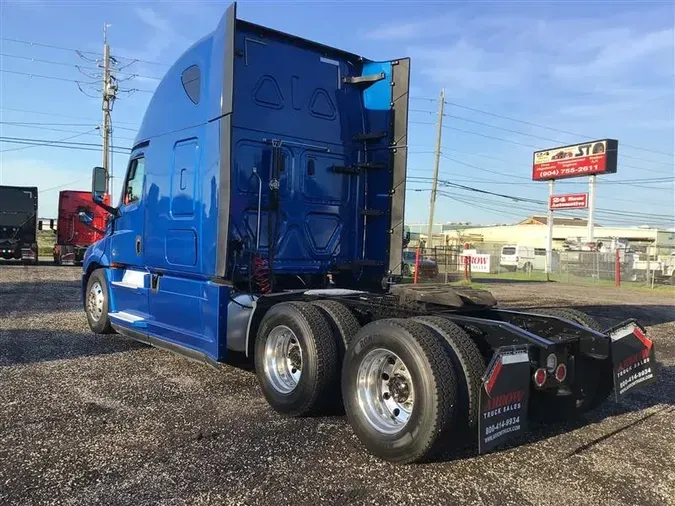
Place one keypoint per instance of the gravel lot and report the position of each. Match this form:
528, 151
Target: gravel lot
87, 420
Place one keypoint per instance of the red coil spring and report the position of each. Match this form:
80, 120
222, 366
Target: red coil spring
261, 274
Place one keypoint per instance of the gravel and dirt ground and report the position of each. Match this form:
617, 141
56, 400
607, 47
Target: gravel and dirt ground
88, 420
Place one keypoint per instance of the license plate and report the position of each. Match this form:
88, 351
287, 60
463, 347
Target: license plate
633, 359
504, 396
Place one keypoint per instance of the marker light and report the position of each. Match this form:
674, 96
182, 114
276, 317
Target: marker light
561, 373
540, 377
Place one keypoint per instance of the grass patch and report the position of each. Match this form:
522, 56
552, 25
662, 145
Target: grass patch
46, 240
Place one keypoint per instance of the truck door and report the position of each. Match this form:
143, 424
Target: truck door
129, 282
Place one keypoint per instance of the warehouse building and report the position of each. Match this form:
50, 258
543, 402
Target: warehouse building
532, 232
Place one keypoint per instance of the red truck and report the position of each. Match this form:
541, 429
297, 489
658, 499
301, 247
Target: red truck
72, 235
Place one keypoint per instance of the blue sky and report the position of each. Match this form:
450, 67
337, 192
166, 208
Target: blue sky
600, 69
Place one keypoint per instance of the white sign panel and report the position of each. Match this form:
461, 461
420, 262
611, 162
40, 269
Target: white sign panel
479, 262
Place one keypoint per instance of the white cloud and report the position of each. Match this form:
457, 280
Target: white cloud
615, 54
501, 51
466, 66
398, 31
159, 37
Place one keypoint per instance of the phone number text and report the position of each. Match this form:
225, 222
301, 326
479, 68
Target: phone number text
569, 171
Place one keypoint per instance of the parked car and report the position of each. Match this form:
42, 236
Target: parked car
428, 267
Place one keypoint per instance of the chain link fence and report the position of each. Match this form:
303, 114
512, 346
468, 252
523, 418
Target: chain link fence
640, 266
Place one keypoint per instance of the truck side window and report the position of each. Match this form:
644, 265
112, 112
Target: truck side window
133, 189
191, 79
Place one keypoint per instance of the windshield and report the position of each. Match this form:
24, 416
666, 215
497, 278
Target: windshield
409, 256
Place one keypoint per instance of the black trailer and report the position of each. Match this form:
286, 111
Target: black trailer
18, 223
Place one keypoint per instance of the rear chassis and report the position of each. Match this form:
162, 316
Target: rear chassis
518, 347
475, 311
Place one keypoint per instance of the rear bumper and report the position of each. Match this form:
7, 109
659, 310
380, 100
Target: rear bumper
508, 383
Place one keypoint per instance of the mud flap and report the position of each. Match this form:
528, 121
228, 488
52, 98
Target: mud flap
633, 359
504, 395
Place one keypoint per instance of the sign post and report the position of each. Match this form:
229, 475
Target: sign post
549, 235
591, 207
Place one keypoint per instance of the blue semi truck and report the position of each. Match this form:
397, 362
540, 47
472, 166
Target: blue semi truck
262, 214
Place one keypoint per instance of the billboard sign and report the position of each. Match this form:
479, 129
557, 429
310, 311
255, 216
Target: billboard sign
584, 159
568, 201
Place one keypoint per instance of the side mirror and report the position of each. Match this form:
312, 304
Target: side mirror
99, 183
99, 187
85, 217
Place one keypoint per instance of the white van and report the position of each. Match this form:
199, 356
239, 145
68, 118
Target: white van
540, 259
517, 257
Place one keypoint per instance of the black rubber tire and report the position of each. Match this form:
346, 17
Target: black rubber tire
430, 365
102, 326
342, 321
344, 325
469, 367
319, 382
595, 376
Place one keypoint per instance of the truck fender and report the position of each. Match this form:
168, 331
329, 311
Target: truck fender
260, 307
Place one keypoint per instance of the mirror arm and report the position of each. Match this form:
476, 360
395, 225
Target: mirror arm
109, 209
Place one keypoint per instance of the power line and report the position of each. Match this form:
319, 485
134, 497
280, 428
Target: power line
481, 168
63, 185
58, 140
54, 78
73, 65
48, 140
625, 181
557, 141
58, 115
455, 104
29, 123
23, 125
62, 48
607, 217
616, 212
511, 141
538, 125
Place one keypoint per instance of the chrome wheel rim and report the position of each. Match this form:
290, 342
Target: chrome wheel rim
95, 301
283, 359
385, 391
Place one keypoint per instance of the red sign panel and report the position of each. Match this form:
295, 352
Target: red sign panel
585, 159
569, 201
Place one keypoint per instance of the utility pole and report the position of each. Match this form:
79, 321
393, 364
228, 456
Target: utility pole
434, 184
109, 89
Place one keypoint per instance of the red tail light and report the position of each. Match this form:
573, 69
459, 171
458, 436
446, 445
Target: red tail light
539, 377
561, 373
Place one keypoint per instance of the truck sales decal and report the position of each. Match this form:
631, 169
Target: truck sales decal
585, 159
503, 398
632, 358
